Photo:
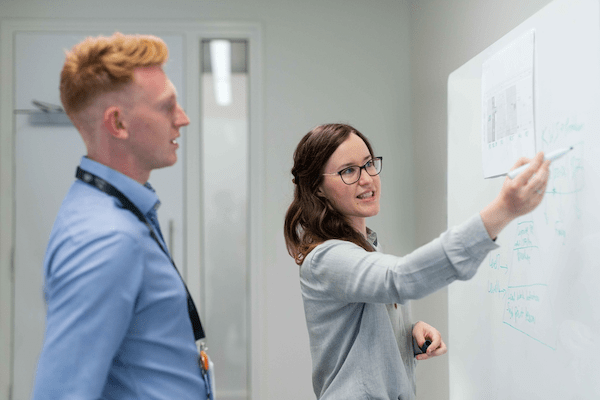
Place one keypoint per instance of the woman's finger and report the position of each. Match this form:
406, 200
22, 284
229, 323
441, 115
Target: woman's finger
524, 177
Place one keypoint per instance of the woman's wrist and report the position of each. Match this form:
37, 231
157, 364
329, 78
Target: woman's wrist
495, 217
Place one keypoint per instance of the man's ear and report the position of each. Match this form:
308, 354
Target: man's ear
113, 123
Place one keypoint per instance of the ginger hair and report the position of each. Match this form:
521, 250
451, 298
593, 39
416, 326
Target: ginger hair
100, 65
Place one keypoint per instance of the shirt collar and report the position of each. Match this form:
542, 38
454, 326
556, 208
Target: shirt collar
143, 196
372, 238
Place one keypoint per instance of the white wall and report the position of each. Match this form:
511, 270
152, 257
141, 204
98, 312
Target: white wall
444, 35
334, 61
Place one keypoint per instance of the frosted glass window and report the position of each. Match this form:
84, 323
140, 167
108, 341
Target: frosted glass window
225, 174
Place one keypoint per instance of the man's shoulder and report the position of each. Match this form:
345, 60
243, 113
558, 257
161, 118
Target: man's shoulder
86, 209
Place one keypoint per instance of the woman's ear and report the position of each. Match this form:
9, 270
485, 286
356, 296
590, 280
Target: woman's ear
320, 192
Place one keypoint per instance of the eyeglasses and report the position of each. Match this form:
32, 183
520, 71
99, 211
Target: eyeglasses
351, 174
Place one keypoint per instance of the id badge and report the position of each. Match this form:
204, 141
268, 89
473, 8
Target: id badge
205, 368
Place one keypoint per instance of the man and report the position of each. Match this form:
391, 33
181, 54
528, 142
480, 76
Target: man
117, 323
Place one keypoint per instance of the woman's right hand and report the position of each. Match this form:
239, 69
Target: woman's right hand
518, 196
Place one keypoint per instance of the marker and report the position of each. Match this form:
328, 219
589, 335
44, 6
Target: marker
550, 156
425, 346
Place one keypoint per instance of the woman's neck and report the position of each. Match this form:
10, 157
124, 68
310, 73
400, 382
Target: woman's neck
360, 225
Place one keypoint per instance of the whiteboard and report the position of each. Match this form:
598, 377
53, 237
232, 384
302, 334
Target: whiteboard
527, 326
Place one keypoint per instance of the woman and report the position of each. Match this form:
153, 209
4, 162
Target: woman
363, 344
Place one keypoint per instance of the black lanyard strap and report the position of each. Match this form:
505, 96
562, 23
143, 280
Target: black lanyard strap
110, 190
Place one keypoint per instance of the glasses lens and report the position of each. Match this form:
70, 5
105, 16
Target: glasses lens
350, 175
373, 167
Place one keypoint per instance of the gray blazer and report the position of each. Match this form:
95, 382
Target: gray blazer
361, 345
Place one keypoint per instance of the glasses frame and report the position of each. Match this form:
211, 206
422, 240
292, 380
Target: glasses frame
359, 170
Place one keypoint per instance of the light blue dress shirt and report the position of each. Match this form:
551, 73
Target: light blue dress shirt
117, 324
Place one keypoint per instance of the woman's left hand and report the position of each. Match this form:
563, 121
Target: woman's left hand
422, 332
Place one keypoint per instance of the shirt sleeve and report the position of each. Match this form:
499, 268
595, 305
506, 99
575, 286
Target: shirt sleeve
91, 293
342, 271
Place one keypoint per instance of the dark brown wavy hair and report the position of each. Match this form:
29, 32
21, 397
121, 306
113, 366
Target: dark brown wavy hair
312, 219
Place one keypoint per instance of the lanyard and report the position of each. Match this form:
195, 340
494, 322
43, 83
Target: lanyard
110, 190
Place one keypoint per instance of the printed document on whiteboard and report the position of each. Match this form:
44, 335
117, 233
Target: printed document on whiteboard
508, 114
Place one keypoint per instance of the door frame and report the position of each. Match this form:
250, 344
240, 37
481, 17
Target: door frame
192, 32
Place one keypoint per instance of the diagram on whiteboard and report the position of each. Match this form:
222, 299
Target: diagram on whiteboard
508, 113
520, 274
